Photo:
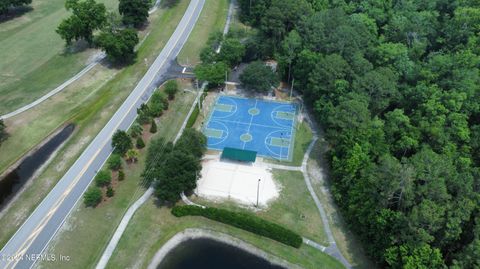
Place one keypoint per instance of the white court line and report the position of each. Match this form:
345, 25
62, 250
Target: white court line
250, 125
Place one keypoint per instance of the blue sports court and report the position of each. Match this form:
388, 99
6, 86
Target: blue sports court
266, 127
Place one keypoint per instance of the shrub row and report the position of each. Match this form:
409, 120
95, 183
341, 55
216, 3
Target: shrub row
193, 117
243, 221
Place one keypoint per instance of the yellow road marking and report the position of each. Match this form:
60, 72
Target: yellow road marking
50, 214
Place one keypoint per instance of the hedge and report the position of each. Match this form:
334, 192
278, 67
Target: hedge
243, 221
193, 117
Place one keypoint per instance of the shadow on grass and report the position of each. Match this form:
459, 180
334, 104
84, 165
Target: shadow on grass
13, 13
169, 3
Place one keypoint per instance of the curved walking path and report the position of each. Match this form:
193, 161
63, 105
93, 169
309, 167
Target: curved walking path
121, 228
58, 89
98, 58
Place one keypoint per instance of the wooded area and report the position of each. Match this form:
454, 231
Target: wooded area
395, 85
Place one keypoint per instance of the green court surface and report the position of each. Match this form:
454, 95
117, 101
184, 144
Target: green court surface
284, 115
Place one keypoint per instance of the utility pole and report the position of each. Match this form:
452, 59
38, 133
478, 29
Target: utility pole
258, 190
198, 96
291, 89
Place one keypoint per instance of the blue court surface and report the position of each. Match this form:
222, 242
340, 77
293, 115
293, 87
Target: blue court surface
266, 127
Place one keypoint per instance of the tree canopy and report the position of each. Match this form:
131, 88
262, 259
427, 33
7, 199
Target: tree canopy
87, 16
121, 142
175, 168
258, 77
119, 45
134, 12
396, 86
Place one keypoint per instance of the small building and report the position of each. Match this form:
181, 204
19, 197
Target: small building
240, 155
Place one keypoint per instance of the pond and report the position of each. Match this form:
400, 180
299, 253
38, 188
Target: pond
16, 179
210, 254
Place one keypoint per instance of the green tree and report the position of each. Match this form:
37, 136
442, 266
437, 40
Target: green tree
87, 17
258, 77
140, 144
136, 130
121, 142
119, 45
121, 175
3, 132
171, 88
156, 152
144, 114
92, 197
158, 103
213, 73
179, 174
192, 142
406, 257
291, 46
110, 192
115, 162
134, 12
103, 178
153, 127
232, 51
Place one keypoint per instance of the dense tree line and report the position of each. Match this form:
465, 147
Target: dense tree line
5, 5
396, 86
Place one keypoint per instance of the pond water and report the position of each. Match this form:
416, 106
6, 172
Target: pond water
210, 254
15, 180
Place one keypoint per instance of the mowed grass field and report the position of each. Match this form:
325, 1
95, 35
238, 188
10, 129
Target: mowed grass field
88, 230
34, 59
212, 19
89, 103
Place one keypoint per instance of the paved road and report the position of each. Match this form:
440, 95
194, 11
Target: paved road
35, 234
98, 58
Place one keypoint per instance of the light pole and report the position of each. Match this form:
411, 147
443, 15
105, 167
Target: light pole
258, 190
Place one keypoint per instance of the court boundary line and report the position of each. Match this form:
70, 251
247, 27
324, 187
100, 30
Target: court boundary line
280, 127
224, 138
250, 126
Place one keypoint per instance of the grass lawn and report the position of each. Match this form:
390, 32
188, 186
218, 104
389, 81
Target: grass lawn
89, 103
294, 209
212, 19
152, 226
87, 231
32, 52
